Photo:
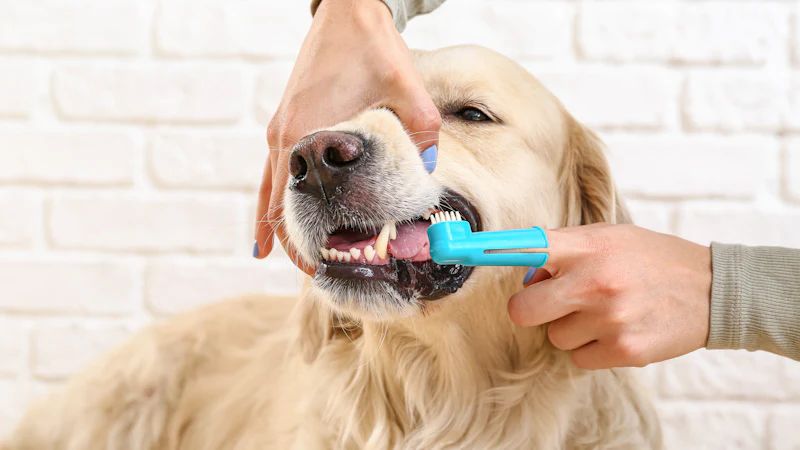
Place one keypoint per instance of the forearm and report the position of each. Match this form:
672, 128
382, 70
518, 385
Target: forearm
755, 299
402, 10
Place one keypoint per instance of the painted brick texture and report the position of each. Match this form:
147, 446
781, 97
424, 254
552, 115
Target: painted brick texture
132, 143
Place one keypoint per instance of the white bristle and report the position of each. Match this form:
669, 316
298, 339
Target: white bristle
446, 216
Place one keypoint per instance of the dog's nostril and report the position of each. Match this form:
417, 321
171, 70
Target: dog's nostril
298, 167
341, 153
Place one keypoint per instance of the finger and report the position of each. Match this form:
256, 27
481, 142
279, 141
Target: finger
419, 115
264, 231
540, 303
572, 331
569, 246
595, 355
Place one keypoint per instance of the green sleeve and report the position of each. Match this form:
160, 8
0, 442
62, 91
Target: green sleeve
402, 10
755, 299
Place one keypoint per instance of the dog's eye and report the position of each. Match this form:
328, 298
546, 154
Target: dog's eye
473, 115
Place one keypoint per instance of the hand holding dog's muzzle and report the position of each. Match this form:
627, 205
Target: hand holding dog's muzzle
353, 59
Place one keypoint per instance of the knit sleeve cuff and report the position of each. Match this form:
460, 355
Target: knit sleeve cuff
755, 299
396, 7
725, 319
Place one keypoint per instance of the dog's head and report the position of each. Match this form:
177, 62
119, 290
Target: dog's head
509, 157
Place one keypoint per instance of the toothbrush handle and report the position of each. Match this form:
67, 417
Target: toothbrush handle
521, 239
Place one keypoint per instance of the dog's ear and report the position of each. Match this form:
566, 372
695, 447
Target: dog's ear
585, 179
317, 326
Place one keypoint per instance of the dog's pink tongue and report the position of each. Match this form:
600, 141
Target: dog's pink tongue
412, 242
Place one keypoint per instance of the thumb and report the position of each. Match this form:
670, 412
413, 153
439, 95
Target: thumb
422, 120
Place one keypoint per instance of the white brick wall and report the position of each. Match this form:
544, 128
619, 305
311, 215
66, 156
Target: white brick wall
131, 142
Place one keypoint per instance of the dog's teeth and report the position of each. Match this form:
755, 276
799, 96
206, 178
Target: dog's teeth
392, 231
325, 252
426, 215
355, 253
369, 253
332, 254
347, 257
383, 240
340, 256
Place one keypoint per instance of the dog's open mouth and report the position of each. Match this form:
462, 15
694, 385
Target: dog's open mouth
397, 253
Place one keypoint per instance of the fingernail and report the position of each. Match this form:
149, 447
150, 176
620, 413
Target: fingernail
255, 249
429, 157
529, 276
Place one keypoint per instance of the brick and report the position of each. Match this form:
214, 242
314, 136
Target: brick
738, 100
540, 30
59, 351
154, 93
13, 339
224, 28
692, 166
739, 224
752, 32
67, 286
270, 85
637, 98
93, 26
793, 98
127, 222
233, 161
653, 216
173, 286
20, 217
782, 428
689, 426
718, 375
792, 169
796, 40
57, 157
18, 87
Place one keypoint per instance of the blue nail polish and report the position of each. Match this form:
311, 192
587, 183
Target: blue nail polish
429, 158
529, 275
255, 249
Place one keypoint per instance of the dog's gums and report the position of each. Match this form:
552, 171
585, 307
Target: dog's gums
396, 254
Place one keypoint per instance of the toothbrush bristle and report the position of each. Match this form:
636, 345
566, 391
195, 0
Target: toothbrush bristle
446, 216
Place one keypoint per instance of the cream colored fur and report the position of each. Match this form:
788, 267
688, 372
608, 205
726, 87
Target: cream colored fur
455, 373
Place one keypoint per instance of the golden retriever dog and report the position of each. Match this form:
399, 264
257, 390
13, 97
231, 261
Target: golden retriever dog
384, 348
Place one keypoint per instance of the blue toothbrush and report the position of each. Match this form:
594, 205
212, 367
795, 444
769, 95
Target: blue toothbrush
453, 242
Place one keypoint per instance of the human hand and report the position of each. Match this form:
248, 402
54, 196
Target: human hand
352, 59
619, 295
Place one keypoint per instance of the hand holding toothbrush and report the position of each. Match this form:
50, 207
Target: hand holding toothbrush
618, 295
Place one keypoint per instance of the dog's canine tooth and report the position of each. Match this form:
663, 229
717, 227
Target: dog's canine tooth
325, 252
392, 231
369, 253
355, 253
383, 240
426, 215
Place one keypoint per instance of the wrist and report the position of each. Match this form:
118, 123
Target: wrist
367, 14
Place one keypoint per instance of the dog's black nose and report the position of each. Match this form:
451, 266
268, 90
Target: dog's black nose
321, 162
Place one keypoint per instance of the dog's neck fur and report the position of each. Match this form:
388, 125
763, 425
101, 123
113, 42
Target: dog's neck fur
430, 382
